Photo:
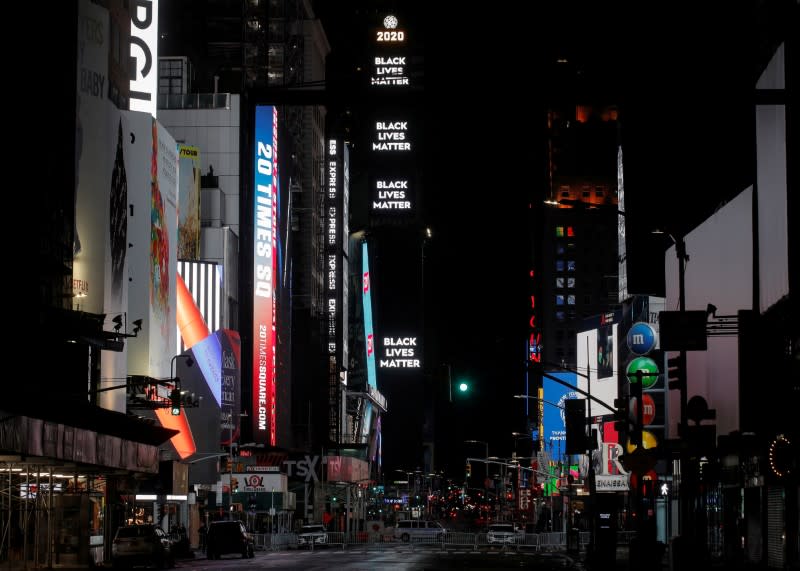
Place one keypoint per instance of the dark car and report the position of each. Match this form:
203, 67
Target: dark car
228, 537
143, 545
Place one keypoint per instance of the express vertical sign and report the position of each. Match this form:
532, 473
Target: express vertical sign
265, 224
333, 273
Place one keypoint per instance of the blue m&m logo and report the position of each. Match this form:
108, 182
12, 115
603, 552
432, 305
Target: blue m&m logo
641, 338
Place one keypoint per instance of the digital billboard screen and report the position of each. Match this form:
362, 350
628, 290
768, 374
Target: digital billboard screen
265, 225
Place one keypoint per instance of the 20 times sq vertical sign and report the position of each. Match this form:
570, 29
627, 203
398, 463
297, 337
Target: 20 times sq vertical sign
265, 225
333, 278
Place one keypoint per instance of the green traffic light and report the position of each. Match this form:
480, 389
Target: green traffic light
463, 387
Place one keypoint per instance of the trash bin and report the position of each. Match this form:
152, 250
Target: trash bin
573, 540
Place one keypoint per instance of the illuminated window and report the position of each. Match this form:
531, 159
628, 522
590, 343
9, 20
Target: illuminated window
559, 282
560, 231
570, 300
570, 231
564, 194
586, 193
559, 265
559, 300
599, 193
571, 282
559, 249
570, 265
560, 315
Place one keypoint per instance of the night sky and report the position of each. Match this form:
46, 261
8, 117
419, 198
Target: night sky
681, 77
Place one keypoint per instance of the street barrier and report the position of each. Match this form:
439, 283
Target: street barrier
451, 540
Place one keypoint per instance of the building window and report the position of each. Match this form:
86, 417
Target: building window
570, 300
564, 194
570, 282
570, 231
559, 315
587, 299
559, 300
559, 282
559, 231
559, 249
570, 265
559, 265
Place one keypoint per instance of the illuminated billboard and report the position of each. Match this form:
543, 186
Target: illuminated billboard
392, 136
372, 379
400, 353
144, 56
597, 358
391, 195
389, 64
333, 278
554, 432
265, 225
199, 300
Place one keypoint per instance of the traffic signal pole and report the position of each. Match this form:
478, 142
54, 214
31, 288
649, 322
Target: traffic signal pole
684, 505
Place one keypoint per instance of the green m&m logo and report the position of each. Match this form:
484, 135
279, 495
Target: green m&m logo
649, 370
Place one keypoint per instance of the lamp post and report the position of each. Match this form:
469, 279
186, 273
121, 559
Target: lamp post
230, 463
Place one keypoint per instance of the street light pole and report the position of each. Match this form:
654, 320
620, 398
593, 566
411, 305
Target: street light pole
230, 461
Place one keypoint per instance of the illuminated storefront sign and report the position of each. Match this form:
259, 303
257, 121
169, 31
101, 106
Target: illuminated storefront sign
265, 223
400, 352
391, 136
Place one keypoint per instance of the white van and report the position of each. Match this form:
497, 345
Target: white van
419, 531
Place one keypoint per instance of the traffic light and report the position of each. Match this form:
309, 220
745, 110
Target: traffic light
468, 470
575, 424
676, 372
635, 434
175, 399
622, 415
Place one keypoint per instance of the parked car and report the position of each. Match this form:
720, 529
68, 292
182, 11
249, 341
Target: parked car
312, 534
417, 530
501, 533
145, 544
228, 537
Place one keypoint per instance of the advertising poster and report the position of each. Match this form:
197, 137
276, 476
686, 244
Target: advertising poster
188, 202
100, 257
152, 160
